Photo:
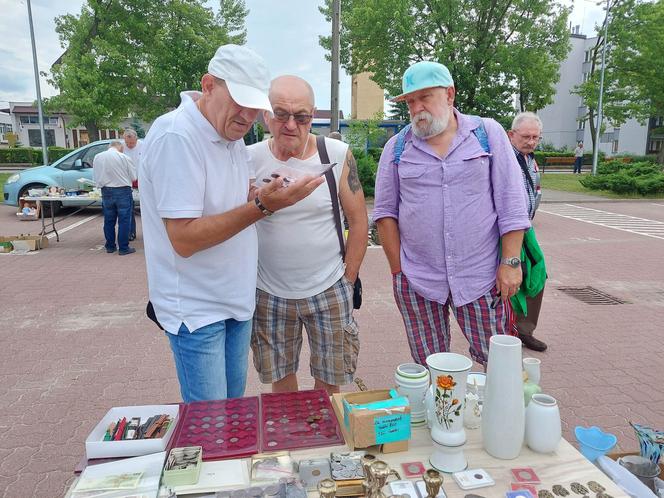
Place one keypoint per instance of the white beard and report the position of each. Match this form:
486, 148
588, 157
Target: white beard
432, 126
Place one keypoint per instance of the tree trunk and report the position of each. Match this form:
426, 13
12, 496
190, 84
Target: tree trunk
591, 122
93, 131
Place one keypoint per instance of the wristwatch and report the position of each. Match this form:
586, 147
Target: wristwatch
513, 262
262, 207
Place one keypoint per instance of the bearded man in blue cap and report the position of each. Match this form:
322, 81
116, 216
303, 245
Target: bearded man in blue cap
451, 215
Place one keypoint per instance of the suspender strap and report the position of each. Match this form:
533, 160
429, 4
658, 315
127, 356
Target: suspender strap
332, 184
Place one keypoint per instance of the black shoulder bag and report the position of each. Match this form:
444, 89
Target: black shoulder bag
332, 184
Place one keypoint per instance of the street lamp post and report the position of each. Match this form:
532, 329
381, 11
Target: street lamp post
601, 92
39, 99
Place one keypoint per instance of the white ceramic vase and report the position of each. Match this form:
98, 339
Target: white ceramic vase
503, 413
449, 372
543, 428
413, 382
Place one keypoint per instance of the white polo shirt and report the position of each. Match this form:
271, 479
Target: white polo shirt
112, 168
188, 171
135, 153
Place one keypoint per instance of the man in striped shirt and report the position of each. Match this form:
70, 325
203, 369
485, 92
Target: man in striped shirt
525, 135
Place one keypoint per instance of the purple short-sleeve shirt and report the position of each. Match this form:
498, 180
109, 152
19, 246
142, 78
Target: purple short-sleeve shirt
452, 210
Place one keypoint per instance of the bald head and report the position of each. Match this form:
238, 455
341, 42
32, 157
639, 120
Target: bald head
291, 88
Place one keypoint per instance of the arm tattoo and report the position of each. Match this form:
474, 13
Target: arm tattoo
353, 178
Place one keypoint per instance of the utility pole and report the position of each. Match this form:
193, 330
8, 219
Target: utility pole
601, 91
39, 99
334, 89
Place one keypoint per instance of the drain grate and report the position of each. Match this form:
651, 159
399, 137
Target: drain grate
590, 295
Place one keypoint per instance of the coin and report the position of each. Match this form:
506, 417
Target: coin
559, 490
596, 487
579, 488
544, 493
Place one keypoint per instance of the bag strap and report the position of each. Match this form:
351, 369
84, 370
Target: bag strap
401, 143
332, 184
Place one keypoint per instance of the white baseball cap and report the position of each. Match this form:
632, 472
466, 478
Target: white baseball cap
245, 74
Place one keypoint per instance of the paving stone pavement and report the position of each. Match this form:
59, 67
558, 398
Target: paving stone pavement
75, 340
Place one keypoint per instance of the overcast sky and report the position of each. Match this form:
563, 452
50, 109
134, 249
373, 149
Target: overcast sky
284, 32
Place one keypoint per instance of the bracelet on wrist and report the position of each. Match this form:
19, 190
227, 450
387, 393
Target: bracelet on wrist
262, 207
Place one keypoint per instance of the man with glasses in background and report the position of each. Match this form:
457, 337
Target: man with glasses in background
303, 280
525, 136
132, 149
200, 240
451, 214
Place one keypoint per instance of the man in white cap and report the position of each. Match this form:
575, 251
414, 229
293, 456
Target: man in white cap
450, 211
200, 239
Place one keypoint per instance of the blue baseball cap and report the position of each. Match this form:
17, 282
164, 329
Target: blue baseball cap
425, 74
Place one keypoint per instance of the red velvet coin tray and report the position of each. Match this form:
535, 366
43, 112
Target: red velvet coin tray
225, 428
303, 419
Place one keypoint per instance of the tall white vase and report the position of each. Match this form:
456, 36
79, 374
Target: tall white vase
449, 372
503, 413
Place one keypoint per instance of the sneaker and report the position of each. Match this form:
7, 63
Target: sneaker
110, 251
130, 250
531, 343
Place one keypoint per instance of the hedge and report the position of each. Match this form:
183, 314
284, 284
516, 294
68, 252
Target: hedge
644, 178
30, 155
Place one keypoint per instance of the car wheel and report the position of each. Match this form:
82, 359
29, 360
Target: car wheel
45, 206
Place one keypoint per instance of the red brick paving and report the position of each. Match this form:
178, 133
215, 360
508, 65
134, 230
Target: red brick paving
75, 340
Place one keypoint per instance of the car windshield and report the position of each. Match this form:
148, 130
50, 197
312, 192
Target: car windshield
86, 156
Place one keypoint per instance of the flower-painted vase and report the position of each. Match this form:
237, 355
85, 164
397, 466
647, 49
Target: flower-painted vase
503, 411
449, 372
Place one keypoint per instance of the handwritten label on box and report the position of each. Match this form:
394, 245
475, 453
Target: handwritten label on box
391, 428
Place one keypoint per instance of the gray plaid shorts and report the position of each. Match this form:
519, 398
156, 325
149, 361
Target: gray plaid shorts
276, 339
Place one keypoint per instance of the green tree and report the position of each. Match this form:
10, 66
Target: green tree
364, 132
123, 56
633, 83
495, 49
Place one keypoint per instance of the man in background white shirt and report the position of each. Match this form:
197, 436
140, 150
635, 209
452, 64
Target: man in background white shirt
133, 148
114, 173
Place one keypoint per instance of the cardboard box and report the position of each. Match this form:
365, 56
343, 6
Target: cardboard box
96, 447
31, 242
22, 203
374, 418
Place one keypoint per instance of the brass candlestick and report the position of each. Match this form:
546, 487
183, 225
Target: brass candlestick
433, 481
379, 472
367, 460
327, 488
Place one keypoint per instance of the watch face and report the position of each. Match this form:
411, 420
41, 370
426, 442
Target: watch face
513, 262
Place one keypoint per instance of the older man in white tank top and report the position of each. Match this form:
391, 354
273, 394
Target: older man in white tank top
302, 276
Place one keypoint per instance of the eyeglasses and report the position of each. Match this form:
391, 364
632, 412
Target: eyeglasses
300, 117
530, 138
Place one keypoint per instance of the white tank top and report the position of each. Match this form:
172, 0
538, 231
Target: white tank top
298, 246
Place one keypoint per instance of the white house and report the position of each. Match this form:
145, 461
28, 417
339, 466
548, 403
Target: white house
24, 119
563, 123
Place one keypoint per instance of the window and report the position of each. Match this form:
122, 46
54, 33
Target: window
582, 125
34, 137
586, 57
90, 153
614, 147
34, 119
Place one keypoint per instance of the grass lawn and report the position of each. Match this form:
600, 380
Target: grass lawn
3, 179
569, 182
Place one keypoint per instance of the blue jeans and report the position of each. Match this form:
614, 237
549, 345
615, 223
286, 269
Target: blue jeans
132, 228
117, 204
578, 162
211, 362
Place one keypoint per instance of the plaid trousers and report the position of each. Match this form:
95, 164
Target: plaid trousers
428, 322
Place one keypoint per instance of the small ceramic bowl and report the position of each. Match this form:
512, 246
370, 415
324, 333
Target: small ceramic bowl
651, 442
593, 441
